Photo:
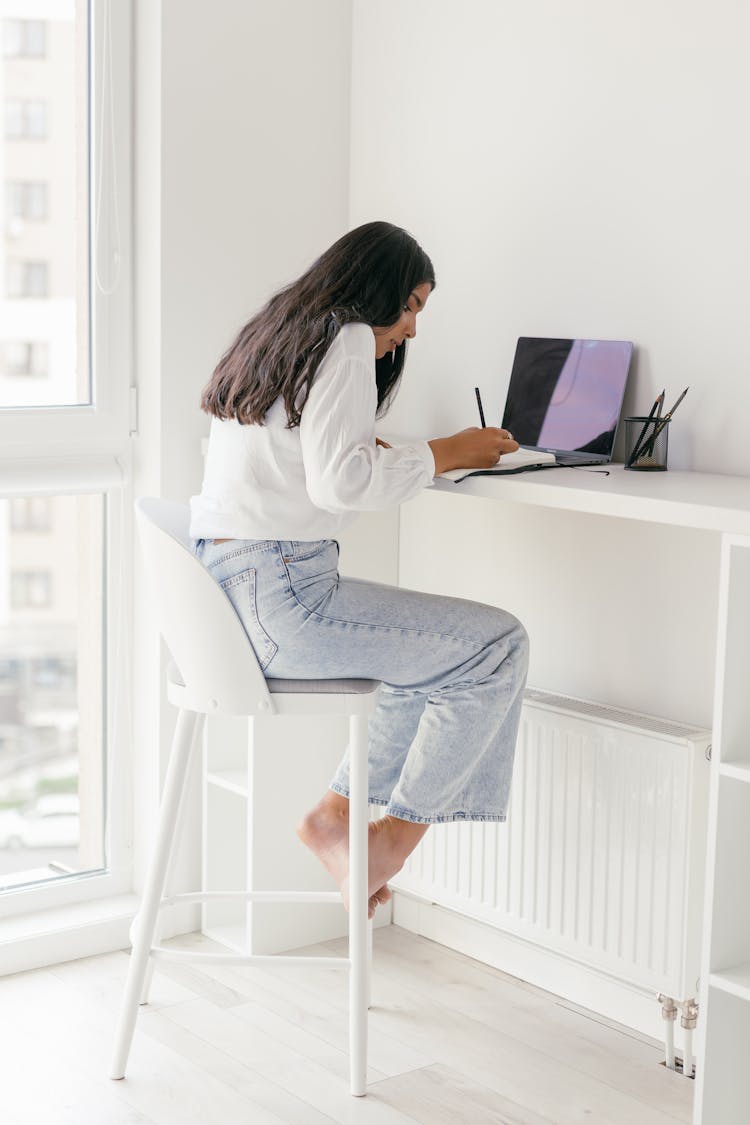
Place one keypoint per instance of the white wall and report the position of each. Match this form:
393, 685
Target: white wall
255, 161
241, 178
573, 168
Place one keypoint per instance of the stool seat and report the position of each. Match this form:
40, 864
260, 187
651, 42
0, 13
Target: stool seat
214, 670
319, 697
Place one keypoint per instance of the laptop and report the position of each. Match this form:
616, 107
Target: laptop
565, 397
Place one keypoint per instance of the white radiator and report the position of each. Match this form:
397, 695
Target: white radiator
602, 856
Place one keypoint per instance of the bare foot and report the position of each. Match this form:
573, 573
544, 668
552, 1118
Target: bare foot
391, 842
380, 896
325, 831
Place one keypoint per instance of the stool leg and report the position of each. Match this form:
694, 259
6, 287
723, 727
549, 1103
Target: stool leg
179, 760
358, 899
174, 852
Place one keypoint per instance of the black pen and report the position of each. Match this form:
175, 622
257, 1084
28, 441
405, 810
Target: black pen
479, 404
649, 448
637, 447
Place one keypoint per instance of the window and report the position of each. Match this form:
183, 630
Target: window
26, 201
73, 265
31, 513
51, 691
25, 120
24, 357
28, 279
24, 38
30, 589
65, 340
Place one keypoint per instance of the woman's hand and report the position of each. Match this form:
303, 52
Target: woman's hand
475, 448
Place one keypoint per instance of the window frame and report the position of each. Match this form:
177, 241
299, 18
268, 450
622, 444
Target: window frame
116, 879
103, 426
48, 450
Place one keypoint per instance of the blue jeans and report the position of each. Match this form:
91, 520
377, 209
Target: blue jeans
443, 736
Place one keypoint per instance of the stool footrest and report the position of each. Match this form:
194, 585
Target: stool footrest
160, 953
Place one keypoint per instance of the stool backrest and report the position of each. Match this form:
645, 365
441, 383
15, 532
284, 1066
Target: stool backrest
203, 633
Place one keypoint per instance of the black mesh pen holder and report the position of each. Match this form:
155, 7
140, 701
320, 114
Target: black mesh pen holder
646, 443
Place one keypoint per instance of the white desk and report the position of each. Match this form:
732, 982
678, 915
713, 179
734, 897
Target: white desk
679, 499
719, 504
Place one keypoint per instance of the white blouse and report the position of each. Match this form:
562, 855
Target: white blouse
270, 482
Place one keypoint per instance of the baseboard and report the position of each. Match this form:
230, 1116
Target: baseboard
570, 980
85, 929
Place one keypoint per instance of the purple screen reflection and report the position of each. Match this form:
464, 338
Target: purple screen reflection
567, 394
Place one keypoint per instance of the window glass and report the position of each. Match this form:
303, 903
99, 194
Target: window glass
44, 165
24, 38
31, 513
23, 357
51, 690
25, 202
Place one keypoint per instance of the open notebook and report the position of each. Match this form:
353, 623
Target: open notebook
519, 462
563, 404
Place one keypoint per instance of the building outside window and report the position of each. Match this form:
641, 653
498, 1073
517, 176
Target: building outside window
31, 513
24, 357
28, 279
30, 589
51, 688
25, 119
24, 39
26, 201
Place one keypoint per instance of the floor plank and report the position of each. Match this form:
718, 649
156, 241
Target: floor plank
450, 1040
438, 1095
610, 1053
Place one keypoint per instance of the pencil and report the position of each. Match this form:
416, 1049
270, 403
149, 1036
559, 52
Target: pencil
479, 404
637, 447
649, 448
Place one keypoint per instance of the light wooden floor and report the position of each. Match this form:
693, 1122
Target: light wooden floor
451, 1041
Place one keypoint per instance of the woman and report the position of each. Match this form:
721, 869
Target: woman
292, 458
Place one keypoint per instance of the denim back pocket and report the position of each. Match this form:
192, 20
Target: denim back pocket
240, 589
312, 570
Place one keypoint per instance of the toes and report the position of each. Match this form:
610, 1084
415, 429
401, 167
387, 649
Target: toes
382, 895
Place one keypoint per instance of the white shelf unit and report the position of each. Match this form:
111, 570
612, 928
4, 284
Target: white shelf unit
723, 1074
226, 829
720, 504
259, 777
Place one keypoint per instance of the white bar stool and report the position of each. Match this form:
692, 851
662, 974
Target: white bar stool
216, 672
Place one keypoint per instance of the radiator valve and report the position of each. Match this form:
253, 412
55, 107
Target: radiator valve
668, 1007
689, 1016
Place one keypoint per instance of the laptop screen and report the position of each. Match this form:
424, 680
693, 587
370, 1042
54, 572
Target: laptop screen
566, 395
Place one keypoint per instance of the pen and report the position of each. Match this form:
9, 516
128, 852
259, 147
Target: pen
655, 410
479, 404
649, 448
